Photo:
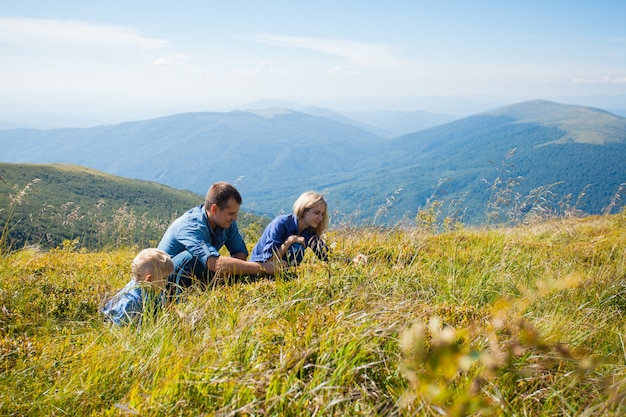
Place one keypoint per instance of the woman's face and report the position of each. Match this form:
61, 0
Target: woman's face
313, 216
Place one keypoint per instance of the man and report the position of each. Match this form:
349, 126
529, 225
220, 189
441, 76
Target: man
194, 239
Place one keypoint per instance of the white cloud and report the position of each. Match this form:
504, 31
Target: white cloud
603, 80
610, 80
261, 68
339, 71
357, 53
20, 31
170, 60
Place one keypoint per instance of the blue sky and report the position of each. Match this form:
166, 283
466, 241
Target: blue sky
128, 59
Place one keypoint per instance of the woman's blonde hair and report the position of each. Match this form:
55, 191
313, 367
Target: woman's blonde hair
308, 200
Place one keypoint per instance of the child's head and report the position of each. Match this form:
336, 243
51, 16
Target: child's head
154, 266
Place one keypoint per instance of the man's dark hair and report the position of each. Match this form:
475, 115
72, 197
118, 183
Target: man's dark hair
220, 193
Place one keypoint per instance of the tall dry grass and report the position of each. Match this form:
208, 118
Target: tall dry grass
527, 320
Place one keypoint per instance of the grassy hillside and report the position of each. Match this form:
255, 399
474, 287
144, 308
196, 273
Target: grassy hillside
49, 204
503, 322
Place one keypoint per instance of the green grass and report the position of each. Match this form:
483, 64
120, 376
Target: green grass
51, 205
511, 321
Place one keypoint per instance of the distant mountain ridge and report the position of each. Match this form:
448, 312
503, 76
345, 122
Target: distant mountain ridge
192, 150
579, 148
272, 155
383, 123
579, 124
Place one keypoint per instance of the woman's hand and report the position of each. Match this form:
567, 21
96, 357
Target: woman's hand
291, 240
294, 239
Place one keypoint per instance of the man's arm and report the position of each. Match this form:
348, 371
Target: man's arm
236, 266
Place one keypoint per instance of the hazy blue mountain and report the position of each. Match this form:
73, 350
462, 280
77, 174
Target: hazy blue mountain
273, 155
618, 112
373, 128
4, 125
384, 123
254, 149
582, 149
401, 122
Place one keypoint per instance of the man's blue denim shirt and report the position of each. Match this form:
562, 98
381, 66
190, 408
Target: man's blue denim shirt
192, 232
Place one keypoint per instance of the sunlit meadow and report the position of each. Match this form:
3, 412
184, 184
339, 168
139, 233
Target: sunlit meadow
435, 319
525, 320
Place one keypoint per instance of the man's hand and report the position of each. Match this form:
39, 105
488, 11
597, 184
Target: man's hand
272, 267
231, 265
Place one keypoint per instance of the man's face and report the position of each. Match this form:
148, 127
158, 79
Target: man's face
224, 217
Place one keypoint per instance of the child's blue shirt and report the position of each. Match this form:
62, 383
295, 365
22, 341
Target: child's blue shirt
128, 305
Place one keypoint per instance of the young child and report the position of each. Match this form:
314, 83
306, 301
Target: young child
145, 291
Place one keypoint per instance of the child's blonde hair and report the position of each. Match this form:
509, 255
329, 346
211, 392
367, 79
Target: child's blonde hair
151, 261
308, 200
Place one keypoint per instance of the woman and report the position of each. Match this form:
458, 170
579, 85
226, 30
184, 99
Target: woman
287, 236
